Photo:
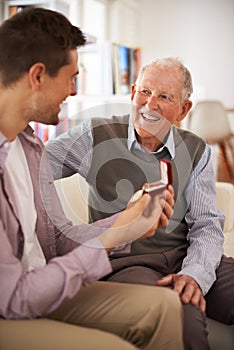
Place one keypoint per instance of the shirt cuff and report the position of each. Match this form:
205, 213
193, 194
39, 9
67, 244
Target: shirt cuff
197, 272
94, 260
125, 248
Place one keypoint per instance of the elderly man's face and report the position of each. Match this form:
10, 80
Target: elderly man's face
157, 102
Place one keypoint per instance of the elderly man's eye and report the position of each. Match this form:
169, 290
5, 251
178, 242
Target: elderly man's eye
165, 97
145, 92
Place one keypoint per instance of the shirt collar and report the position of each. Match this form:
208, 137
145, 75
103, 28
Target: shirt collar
5, 144
134, 144
3, 139
28, 133
4, 147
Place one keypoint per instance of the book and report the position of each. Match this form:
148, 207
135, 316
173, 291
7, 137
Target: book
126, 65
124, 69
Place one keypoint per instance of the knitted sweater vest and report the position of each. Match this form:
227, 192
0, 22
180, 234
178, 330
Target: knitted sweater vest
116, 173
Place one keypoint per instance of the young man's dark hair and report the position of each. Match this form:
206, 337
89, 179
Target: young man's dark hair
40, 37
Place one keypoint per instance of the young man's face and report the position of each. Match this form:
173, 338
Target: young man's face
55, 90
157, 102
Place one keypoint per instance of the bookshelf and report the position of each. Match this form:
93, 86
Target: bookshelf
125, 64
103, 85
107, 68
10, 7
103, 79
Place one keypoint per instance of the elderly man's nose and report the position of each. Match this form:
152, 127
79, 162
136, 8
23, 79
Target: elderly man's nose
152, 102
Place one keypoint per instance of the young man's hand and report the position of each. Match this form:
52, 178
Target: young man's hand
132, 224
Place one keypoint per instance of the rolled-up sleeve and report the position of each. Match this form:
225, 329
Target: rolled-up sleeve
71, 152
40, 291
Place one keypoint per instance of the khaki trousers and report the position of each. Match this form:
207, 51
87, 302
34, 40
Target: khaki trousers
98, 317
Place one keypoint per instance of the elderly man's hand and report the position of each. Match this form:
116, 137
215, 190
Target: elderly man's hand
186, 287
168, 206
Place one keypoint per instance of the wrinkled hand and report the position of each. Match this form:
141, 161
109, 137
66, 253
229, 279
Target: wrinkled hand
167, 203
186, 287
168, 206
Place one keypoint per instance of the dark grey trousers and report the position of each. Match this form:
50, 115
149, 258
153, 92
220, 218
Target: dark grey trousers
147, 269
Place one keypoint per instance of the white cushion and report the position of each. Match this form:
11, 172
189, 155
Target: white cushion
225, 202
73, 193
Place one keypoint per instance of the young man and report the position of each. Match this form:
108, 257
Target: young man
187, 254
46, 264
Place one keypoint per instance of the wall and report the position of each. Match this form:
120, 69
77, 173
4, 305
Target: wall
124, 16
201, 33
1, 11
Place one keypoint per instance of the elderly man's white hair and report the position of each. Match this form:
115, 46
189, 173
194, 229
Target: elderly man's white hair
173, 62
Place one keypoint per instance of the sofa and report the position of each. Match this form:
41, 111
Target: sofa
73, 193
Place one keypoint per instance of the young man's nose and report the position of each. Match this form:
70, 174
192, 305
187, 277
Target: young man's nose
73, 91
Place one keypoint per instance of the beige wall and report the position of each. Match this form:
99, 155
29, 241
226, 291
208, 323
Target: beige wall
201, 32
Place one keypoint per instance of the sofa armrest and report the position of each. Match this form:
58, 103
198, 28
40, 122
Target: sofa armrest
73, 194
225, 202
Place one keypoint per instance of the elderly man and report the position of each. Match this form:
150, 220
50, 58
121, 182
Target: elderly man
121, 153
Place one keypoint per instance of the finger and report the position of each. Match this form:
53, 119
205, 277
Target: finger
165, 281
195, 300
140, 204
202, 304
171, 190
167, 210
179, 285
188, 293
169, 197
199, 300
164, 221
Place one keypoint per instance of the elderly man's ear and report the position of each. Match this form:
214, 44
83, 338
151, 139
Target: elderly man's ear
186, 106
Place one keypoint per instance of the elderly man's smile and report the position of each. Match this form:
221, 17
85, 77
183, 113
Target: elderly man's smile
150, 118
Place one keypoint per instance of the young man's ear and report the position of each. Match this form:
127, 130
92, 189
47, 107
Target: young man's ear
187, 105
37, 75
